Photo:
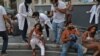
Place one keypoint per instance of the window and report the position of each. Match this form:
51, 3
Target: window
36, 1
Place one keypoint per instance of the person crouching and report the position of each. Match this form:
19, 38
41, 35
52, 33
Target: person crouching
36, 38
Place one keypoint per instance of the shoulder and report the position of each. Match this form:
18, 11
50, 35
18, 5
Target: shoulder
85, 33
21, 4
94, 6
65, 31
42, 15
62, 3
1, 7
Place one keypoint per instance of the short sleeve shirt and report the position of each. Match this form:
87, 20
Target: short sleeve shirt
57, 16
2, 22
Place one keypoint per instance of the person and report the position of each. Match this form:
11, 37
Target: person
94, 17
89, 41
69, 9
44, 20
3, 33
69, 39
36, 38
23, 16
58, 9
9, 30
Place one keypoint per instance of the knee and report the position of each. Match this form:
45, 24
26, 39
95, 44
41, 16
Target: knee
80, 47
43, 49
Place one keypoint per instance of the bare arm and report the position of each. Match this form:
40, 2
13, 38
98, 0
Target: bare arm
64, 37
6, 18
84, 36
61, 10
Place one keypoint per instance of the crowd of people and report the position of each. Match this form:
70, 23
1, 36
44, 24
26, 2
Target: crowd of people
59, 20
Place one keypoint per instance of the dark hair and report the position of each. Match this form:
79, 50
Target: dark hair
29, 2
48, 12
40, 28
35, 14
90, 27
53, 0
98, 1
71, 27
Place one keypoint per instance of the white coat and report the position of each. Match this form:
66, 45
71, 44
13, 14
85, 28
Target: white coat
95, 10
22, 14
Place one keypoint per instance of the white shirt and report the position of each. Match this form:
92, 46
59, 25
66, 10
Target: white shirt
2, 22
95, 10
22, 14
45, 20
59, 17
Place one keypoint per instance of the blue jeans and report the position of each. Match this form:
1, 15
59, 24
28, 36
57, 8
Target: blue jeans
67, 45
57, 28
72, 43
4, 36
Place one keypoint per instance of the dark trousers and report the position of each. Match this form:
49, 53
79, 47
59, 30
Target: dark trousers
4, 35
93, 22
47, 30
24, 31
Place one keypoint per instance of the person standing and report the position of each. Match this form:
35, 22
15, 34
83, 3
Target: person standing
59, 9
3, 31
94, 17
23, 15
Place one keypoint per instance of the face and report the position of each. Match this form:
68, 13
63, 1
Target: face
73, 31
38, 26
33, 16
93, 30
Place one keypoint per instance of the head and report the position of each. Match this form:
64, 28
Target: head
54, 1
28, 2
92, 29
71, 28
49, 14
38, 27
98, 1
35, 14
69, 2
